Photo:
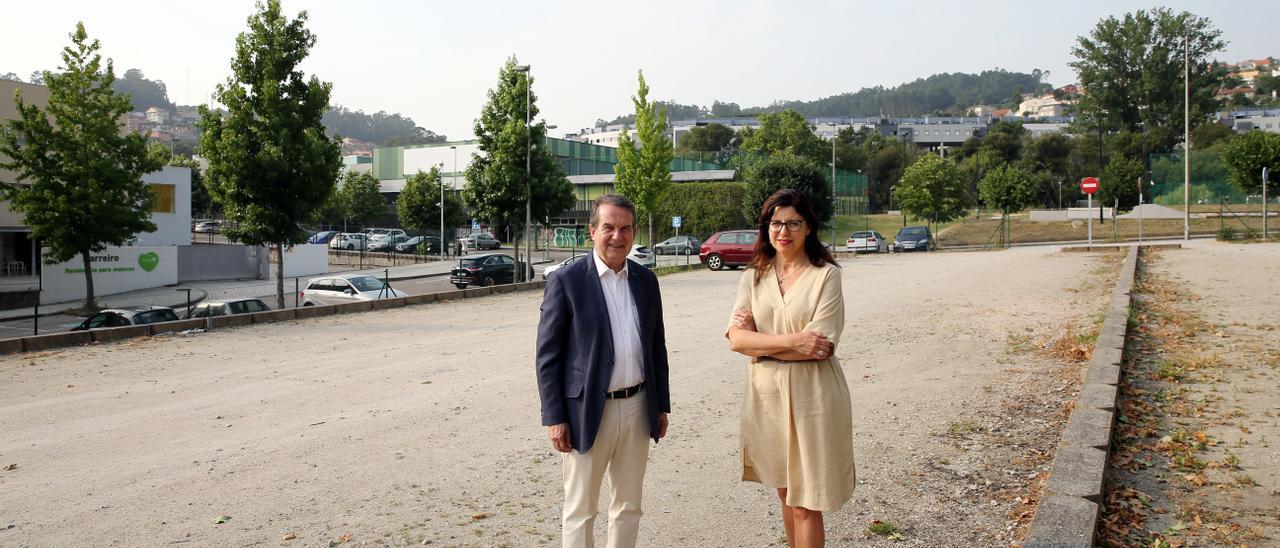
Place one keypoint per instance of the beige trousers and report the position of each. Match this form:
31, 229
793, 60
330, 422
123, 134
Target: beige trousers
621, 447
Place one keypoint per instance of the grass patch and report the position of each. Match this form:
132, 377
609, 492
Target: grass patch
886, 529
960, 428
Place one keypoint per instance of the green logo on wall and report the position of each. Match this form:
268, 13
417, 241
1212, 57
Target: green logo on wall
148, 261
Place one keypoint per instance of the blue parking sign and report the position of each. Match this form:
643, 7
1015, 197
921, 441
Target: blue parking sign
677, 221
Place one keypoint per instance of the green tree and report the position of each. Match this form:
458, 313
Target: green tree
787, 170
1008, 189
644, 173
143, 93
932, 189
1120, 183
271, 166
1207, 135
711, 138
498, 188
418, 205
786, 131
83, 182
361, 198
706, 208
1246, 155
1132, 69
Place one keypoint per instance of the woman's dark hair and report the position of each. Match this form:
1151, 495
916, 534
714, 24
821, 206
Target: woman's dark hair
762, 261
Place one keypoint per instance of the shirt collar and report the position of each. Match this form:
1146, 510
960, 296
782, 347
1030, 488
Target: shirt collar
602, 268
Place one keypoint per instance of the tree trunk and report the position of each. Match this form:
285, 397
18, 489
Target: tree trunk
90, 303
279, 276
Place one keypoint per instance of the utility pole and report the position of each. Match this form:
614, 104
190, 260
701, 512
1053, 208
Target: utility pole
1265, 173
1186, 138
833, 193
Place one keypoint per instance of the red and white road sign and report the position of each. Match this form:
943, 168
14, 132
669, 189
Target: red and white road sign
1089, 185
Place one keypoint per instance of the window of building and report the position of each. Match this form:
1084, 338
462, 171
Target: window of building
164, 198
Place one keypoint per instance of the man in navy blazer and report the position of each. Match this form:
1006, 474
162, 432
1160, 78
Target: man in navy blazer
602, 375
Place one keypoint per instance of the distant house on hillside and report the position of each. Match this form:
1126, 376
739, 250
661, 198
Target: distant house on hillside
981, 111
157, 115
1042, 106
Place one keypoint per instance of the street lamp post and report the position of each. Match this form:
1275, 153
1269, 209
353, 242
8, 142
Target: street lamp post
833, 193
441, 250
528, 173
454, 148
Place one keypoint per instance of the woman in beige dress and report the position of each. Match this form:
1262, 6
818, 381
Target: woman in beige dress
797, 425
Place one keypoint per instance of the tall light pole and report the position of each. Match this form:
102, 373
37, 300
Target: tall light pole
1186, 139
441, 250
833, 193
454, 148
528, 173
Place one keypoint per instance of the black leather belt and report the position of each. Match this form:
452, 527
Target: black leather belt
624, 393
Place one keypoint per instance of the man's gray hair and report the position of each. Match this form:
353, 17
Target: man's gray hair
613, 200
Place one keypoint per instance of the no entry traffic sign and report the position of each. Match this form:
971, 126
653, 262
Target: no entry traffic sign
1089, 185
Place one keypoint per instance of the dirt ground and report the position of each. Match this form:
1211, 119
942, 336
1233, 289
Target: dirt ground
420, 425
1196, 459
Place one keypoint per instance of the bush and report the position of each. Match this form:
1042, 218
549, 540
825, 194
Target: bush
705, 208
1228, 234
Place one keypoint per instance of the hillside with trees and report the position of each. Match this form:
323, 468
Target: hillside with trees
940, 94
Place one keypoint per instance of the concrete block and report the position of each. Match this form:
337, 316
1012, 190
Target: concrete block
419, 299
1088, 427
314, 311
1107, 355
11, 346
275, 316
1102, 373
353, 307
117, 333
56, 340
472, 292
450, 295
505, 288
1063, 522
1078, 471
384, 304
235, 320
180, 325
1097, 396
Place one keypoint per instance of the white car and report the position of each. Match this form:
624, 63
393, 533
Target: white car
381, 233
346, 289
867, 241
547, 271
350, 241
643, 255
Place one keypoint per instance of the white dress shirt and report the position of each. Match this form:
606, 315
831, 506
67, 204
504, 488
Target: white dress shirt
624, 324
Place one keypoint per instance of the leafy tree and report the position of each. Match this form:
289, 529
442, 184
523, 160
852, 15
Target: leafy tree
143, 93
361, 199
497, 185
84, 186
1008, 189
420, 136
787, 170
1120, 182
786, 131
418, 205
1207, 135
644, 174
885, 167
1048, 158
271, 166
932, 189
705, 208
10, 76
708, 138
1246, 155
1132, 68
378, 127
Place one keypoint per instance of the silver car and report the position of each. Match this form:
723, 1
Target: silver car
346, 289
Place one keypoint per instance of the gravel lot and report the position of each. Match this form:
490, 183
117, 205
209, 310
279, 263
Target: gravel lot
421, 425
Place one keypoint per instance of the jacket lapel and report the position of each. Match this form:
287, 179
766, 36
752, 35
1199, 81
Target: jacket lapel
593, 281
638, 298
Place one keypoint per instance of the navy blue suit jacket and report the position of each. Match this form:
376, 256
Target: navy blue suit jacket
575, 349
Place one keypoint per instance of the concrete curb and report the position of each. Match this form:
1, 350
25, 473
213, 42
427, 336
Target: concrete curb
80, 338
1068, 511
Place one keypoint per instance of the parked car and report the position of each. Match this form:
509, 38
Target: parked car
207, 227
548, 270
483, 270
731, 248
429, 245
228, 307
643, 255
322, 237
346, 289
374, 233
677, 245
485, 241
121, 317
386, 243
867, 241
349, 241
914, 238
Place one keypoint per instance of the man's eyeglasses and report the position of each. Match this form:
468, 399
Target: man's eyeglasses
792, 226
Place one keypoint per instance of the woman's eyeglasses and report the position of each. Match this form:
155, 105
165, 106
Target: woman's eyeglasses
792, 226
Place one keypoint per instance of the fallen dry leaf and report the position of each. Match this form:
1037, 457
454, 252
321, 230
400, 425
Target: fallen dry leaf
13, 466
479, 516
290, 536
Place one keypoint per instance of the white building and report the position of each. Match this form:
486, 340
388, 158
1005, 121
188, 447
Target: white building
157, 115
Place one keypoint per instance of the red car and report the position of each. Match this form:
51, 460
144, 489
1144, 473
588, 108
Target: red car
731, 248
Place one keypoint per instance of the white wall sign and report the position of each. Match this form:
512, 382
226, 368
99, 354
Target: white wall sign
115, 270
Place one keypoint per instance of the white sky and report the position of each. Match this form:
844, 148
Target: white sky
434, 61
